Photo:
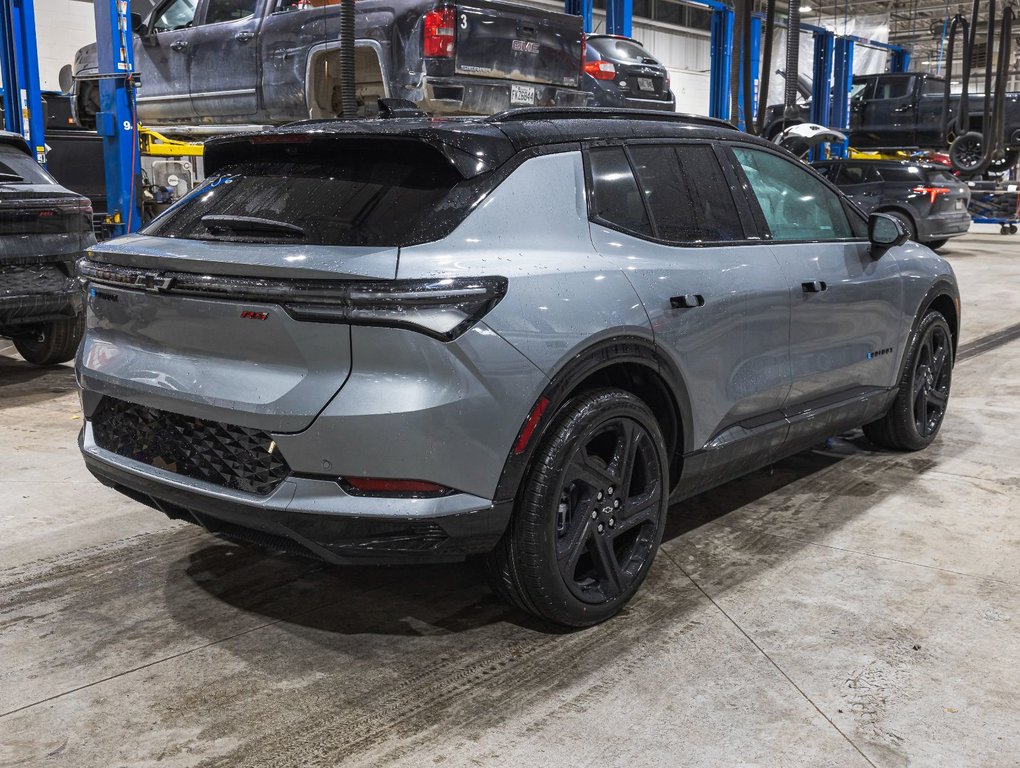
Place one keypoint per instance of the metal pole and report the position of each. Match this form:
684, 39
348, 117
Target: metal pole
582, 8
619, 17
116, 121
20, 69
721, 58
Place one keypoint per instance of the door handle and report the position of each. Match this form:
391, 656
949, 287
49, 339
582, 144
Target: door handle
687, 301
179, 45
814, 286
244, 37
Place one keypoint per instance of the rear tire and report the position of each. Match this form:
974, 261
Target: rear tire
936, 244
906, 221
590, 514
917, 413
54, 342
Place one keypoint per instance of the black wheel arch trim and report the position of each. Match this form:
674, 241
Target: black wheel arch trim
618, 350
940, 287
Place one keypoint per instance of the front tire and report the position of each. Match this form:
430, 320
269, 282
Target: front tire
52, 343
590, 514
916, 415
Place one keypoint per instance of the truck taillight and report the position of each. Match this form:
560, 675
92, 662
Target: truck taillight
600, 70
440, 33
932, 192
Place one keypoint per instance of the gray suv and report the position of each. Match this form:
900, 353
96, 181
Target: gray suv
411, 339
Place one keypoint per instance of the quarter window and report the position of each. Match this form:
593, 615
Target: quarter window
687, 194
797, 205
615, 196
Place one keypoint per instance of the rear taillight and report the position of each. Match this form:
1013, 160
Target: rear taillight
932, 192
440, 33
443, 308
384, 486
600, 70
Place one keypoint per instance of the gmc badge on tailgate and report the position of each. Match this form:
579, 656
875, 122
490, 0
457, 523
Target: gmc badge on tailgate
526, 46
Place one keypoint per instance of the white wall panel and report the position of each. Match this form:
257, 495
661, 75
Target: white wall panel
62, 27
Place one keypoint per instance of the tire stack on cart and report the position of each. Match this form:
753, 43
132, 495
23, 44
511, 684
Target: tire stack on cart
990, 204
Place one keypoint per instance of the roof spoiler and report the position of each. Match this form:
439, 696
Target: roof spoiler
605, 113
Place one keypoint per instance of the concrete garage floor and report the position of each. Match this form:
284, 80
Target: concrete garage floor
847, 608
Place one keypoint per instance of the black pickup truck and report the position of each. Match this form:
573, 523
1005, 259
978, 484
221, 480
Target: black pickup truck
274, 61
905, 110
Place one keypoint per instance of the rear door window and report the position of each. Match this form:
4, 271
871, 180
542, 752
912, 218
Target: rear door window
368, 194
938, 176
856, 174
797, 205
686, 193
616, 200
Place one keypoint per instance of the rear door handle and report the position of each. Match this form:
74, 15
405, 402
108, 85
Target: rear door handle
814, 286
687, 301
179, 45
244, 37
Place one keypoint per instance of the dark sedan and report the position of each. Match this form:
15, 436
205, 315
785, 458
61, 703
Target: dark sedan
619, 72
927, 198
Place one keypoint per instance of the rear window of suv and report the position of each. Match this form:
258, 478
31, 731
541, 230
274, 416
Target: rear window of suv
18, 168
373, 194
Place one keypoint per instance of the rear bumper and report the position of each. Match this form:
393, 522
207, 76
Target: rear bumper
312, 516
606, 98
943, 225
479, 96
33, 292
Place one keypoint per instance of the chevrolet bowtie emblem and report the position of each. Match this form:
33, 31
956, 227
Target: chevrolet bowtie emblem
153, 282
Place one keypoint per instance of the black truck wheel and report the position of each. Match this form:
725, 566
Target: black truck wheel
590, 514
966, 153
51, 343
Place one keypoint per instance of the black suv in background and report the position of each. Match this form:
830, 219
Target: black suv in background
44, 229
619, 72
928, 199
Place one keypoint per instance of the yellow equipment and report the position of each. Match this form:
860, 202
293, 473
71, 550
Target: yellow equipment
155, 144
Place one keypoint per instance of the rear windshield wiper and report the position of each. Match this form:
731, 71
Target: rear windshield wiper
223, 223
10, 177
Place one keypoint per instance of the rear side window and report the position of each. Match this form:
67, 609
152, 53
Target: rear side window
687, 195
856, 174
906, 173
797, 204
613, 48
380, 194
18, 168
616, 199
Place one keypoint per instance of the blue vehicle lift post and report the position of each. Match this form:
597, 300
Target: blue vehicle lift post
582, 8
746, 116
842, 76
116, 121
19, 67
619, 17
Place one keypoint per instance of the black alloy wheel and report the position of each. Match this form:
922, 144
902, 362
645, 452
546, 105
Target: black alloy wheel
590, 513
967, 152
917, 413
932, 374
609, 510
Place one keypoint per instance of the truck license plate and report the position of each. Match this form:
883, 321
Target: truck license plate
522, 94
645, 84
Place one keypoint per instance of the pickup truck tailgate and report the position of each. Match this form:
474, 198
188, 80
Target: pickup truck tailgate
515, 42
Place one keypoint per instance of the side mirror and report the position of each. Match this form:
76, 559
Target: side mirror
885, 231
137, 24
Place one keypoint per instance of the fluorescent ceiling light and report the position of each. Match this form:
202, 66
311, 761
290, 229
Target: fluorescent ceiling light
806, 8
